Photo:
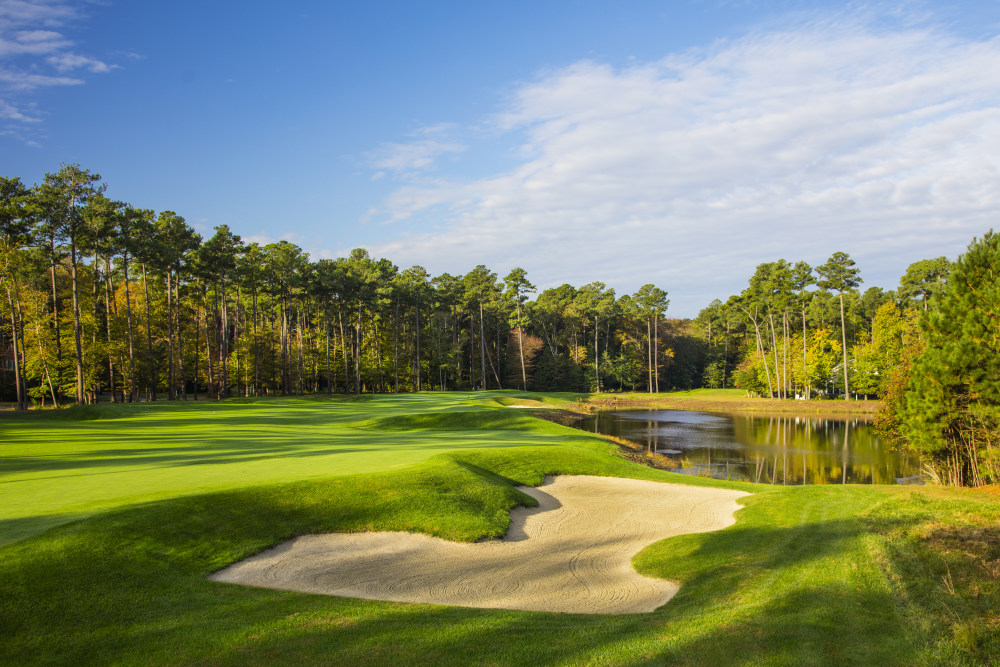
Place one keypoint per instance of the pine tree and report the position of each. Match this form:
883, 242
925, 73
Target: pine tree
951, 406
839, 274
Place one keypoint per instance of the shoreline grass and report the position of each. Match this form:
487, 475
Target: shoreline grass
735, 401
814, 575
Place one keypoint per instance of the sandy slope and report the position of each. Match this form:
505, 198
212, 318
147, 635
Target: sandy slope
570, 554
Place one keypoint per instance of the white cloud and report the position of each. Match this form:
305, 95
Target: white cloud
65, 62
12, 112
18, 80
31, 42
35, 53
14, 13
689, 171
412, 156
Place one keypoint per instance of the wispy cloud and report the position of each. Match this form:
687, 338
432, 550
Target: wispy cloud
14, 13
20, 80
65, 62
413, 156
417, 155
689, 171
31, 42
11, 112
36, 53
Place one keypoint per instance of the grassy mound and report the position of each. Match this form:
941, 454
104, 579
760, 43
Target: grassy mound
466, 420
61, 465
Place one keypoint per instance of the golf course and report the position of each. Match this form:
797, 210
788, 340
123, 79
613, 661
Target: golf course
113, 518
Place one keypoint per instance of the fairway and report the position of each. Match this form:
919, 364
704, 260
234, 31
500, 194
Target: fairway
156, 498
56, 467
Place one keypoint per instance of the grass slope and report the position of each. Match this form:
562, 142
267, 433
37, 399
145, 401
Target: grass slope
59, 466
816, 575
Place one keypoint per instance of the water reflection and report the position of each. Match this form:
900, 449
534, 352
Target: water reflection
773, 450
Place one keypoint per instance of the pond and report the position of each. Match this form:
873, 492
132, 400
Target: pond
773, 450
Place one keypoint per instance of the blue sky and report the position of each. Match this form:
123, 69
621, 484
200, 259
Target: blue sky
679, 143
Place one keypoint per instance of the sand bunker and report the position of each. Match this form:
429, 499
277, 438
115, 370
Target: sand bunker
570, 554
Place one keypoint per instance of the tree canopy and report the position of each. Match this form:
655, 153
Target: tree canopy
950, 410
104, 300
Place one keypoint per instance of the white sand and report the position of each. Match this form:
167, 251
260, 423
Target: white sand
570, 554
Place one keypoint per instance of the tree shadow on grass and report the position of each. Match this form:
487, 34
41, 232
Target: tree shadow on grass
112, 461
18, 528
811, 626
235, 449
129, 586
823, 625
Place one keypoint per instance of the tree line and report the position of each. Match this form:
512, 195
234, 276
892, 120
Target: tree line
799, 331
107, 301
930, 350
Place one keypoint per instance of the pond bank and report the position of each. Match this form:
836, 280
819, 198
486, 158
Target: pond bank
865, 410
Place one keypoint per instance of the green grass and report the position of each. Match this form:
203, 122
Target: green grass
708, 393
59, 466
813, 575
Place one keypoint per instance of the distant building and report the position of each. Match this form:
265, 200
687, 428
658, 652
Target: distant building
6, 369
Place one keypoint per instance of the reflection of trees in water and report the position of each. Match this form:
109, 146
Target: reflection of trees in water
796, 450
772, 450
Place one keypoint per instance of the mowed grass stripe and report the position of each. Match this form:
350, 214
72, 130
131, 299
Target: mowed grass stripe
100, 457
808, 575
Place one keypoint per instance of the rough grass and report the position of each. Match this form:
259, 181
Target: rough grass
808, 575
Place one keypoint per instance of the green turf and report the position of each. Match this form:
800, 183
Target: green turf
57, 466
708, 393
808, 575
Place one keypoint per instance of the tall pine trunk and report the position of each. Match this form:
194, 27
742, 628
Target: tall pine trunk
151, 392
725, 356
774, 348
55, 312
761, 350
343, 347
843, 333
298, 326
45, 365
395, 349
649, 352
597, 357
418, 345
107, 326
224, 350
80, 396
19, 388
209, 355
656, 351
805, 359
520, 345
171, 375
95, 305
784, 328
180, 338
357, 353
133, 395
256, 349
326, 329
283, 344
482, 344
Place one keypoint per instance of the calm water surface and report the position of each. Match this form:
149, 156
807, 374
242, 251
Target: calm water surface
775, 450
